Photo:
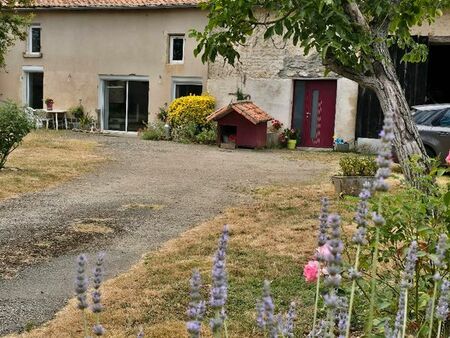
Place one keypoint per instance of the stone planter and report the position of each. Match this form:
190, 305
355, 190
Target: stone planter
343, 148
350, 185
272, 140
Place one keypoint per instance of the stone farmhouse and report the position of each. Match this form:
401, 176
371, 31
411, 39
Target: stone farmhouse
123, 59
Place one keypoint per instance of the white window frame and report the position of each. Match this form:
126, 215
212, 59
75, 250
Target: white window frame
26, 70
102, 91
171, 38
30, 39
185, 80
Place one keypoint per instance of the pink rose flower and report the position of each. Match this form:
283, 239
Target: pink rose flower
447, 159
323, 252
311, 271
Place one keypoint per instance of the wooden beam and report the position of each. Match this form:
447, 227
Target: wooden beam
439, 40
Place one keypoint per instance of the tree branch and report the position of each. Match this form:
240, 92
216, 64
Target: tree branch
356, 15
347, 72
266, 23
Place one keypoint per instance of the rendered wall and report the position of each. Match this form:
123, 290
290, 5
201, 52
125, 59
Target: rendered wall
78, 46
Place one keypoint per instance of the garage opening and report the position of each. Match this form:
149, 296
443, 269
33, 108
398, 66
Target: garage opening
438, 82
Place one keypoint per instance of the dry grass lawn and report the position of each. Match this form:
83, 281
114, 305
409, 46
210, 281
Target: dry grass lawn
270, 239
46, 158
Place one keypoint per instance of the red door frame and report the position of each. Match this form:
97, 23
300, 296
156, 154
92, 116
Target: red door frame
324, 92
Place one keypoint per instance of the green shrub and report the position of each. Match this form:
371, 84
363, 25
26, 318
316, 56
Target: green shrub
352, 165
207, 135
191, 109
185, 133
14, 126
410, 215
77, 111
154, 131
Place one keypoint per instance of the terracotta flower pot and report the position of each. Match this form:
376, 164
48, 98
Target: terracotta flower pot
291, 144
49, 105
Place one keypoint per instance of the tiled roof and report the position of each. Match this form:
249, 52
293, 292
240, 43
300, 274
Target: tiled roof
247, 109
112, 3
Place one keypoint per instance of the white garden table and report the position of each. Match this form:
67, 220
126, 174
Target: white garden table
55, 113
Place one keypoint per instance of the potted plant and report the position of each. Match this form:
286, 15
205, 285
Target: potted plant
290, 137
49, 103
273, 134
355, 171
341, 146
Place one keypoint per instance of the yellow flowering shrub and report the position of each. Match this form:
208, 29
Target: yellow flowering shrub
191, 110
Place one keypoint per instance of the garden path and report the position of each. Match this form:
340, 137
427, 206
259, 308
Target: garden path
146, 194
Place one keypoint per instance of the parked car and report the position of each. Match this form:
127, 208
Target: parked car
433, 122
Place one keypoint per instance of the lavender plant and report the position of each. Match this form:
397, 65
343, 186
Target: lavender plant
274, 326
439, 263
266, 320
219, 290
334, 267
97, 307
81, 285
406, 283
384, 162
442, 309
196, 308
321, 256
359, 239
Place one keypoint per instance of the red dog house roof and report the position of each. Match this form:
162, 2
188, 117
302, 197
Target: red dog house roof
245, 108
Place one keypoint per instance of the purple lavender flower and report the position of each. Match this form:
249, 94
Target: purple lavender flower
260, 315
333, 279
442, 305
219, 288
287, 327
384, 159
342, 316
269, 320
98, 330
405, 284
323, 226
81, 283
196, 308
97, 281
441, 250
361, 215
336, 247
141, 333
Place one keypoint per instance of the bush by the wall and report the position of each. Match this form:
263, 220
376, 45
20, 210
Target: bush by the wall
353, 165
154, 131
14, 126
191, 109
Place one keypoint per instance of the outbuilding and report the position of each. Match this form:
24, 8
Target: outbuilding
242, 124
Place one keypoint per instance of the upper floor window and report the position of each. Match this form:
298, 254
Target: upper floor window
176, 49
34, 39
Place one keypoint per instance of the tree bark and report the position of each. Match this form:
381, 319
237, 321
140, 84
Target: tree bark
407, 141
384, 82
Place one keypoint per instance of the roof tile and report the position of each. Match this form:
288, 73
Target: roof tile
112, 3
247, 109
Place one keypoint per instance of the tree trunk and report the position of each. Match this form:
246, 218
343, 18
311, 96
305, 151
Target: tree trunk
407, 141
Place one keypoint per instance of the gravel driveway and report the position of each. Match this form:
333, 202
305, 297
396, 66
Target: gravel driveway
148, 193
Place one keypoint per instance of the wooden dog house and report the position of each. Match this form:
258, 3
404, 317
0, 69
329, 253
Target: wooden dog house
241, 123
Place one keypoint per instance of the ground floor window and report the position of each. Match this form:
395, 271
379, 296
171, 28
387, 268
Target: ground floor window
186, 86
125, 104
34, 87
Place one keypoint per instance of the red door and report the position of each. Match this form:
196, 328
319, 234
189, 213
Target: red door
314, 112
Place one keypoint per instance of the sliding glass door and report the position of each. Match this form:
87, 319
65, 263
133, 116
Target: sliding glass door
125, 105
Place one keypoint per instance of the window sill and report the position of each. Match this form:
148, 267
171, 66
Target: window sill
32, 55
